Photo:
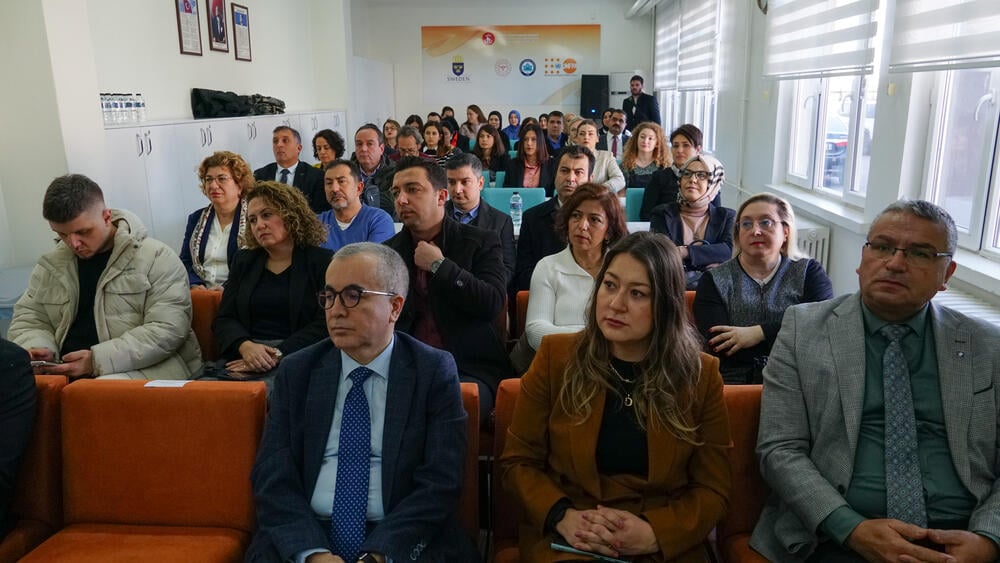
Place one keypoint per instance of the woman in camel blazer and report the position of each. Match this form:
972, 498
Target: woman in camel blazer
619, 438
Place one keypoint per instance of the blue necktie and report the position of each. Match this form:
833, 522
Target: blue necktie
904, 487
284, 175
350, 501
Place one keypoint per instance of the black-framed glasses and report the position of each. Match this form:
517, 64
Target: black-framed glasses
766, 225
917, 255
700, 175
350, 296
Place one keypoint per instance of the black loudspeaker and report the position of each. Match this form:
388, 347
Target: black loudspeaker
594, 92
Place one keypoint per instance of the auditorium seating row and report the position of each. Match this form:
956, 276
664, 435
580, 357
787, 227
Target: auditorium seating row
121, 471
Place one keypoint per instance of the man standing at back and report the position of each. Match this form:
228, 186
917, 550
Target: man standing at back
640, 106
107, 302
457, 276
363, 448
350, 220
288, 169
880, 421
538, 237
465, 186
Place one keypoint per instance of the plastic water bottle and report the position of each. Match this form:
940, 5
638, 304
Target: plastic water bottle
140, 107
106, 112
515, 209
131, 115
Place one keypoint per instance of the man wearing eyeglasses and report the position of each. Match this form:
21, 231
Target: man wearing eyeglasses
879, 423
363, 449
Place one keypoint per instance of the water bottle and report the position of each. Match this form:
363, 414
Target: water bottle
108, 116
140, 106
515, 209
116, 108
131, 116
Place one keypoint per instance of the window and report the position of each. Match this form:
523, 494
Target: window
830, 135
698, 108
963, 162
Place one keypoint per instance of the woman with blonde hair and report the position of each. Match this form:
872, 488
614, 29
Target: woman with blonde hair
619, 440
740, 304
213, 234
646, 153
268, 307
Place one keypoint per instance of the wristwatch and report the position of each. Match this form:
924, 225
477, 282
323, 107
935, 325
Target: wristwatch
367, 558
436, 264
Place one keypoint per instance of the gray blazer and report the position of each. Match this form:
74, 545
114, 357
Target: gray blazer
811, 414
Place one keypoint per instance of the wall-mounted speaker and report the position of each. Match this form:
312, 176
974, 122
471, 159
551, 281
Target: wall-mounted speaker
593, 95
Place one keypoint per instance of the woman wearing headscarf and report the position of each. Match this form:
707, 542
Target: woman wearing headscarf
511, 131
702, 231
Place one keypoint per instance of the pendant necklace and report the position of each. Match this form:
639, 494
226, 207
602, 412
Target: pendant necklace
628, 394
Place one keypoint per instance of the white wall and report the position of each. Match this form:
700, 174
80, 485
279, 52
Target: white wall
393, 35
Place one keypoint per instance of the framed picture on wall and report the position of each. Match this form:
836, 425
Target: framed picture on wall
218, 35
188, 27
241, 32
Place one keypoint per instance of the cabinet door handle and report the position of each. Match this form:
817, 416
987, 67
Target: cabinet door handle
210, 138
149, 144
249, 132
138, 145
202, 131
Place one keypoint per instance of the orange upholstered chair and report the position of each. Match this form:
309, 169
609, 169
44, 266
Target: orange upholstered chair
749, 490
205, 304
689, 301
506, 515
520, 314
155, 474
469, 508
37, 502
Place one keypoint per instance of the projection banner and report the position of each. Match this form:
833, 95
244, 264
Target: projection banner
508, 64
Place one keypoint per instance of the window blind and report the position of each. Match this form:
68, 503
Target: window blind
945, 34
667, 24
810, 38
699, 39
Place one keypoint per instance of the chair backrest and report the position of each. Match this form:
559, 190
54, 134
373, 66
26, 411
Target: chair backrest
38, 495
498, 177
161, 456
205, 307
512, 154
499, 198
506, 513
749, 489
633, 203
689, 301
521, 312
468, 510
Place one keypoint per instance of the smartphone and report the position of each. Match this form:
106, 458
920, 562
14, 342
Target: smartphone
560, 544
43, 364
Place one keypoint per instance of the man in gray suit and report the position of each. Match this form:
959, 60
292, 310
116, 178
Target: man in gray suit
861, 467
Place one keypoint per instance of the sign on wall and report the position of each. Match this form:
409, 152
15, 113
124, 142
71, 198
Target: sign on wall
508, 64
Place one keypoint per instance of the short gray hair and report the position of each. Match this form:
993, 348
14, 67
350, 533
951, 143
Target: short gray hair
924, 210
390, 269
410, 132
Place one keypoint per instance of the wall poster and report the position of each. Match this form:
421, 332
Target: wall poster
188, 27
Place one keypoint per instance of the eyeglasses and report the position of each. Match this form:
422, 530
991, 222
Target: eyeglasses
916, 255
350, 296
766, 225
700, 175
207, 180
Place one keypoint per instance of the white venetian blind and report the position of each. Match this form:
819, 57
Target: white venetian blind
699, 39
667, 24
943, 34
810, 38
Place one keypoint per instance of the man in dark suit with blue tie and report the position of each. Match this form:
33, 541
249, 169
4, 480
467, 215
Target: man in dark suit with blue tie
363, 449
288, 169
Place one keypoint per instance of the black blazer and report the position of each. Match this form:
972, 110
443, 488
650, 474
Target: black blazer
231, 247
17, 418
515, 176
499, 163
308, 178
602, 142
537, 240
423, 443
467, 294
306, 318
666, 219
497, 221
646, 109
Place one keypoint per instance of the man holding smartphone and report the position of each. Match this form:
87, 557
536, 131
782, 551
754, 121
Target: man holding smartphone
108, 301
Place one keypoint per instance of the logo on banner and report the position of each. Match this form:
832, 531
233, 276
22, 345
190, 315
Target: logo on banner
569, 66
502, 67
489, 38
527, 67
457, 65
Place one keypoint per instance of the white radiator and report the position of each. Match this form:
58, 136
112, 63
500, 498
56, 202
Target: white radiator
814, 240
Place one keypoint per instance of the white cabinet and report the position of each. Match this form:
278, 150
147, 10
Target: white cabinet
132, 168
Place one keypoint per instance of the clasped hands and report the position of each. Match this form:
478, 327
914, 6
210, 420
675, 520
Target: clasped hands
255, 358
607, 531
892, 540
